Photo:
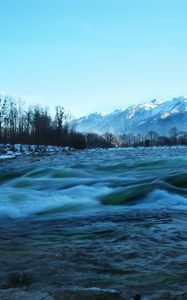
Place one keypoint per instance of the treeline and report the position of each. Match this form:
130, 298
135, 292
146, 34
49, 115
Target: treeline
35, 125
152, 138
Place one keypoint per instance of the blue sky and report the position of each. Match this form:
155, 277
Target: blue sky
93, 55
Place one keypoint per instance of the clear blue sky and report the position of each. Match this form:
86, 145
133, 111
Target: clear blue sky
93, 55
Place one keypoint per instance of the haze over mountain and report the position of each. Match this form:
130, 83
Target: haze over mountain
155, 115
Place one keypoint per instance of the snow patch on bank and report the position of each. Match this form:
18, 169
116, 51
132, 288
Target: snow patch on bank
11, 151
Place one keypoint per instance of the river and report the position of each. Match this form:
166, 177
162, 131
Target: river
95, 222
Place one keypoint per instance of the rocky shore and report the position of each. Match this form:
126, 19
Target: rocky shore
11, 151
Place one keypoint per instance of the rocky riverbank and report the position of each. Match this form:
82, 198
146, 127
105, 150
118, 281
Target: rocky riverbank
11, 151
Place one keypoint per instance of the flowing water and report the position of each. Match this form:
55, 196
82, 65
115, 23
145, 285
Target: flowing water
98, 220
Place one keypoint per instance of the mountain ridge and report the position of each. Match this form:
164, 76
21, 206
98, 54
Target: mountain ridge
155, 115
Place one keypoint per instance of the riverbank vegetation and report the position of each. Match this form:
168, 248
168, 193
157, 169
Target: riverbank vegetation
151, 139
35, 125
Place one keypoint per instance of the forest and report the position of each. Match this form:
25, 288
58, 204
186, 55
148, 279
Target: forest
35, 125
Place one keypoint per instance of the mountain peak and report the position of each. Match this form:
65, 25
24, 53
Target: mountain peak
155, 115
156, 101
180, 98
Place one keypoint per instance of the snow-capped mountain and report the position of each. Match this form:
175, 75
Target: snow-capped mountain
156, 115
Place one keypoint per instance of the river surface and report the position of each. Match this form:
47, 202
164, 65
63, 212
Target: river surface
100, 220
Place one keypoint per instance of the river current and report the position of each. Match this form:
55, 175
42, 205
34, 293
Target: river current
95, 223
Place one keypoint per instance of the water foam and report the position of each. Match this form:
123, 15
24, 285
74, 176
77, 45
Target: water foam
159, 199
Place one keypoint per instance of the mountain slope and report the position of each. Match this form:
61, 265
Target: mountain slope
155, 115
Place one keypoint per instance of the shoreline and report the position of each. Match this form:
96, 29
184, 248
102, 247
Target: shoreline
12, 151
